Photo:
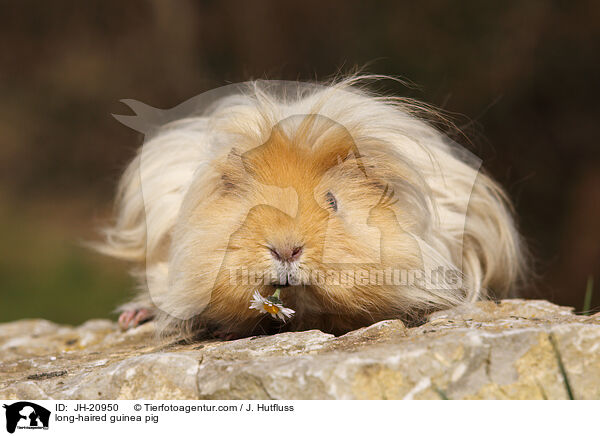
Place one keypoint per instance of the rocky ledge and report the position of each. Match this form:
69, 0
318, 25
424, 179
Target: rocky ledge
516, 349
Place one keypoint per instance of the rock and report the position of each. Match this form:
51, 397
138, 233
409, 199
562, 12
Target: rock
509, 350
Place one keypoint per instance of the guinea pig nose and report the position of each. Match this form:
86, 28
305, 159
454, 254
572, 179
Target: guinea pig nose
286, 253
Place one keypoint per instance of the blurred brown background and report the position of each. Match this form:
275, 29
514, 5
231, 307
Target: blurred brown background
523, 75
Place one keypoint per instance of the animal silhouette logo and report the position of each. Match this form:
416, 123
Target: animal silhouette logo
26, 415
161, 202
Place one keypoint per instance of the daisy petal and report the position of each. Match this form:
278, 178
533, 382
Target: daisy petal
266, 305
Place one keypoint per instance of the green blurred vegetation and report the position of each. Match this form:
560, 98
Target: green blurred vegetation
45, 273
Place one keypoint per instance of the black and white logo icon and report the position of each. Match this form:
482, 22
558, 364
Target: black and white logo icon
26, 415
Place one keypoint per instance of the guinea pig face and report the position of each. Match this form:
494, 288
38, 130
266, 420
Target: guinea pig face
301, 213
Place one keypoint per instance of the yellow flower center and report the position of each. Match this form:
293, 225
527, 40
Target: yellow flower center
273, 310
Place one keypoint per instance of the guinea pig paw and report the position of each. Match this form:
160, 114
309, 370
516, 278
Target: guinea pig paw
134, 317
224, 335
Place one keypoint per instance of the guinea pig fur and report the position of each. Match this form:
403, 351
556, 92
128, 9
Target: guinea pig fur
350, 203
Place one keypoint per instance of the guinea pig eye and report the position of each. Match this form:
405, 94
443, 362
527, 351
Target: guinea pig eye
331, 201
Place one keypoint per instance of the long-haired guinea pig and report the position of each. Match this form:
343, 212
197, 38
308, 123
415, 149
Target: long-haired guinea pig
329, 208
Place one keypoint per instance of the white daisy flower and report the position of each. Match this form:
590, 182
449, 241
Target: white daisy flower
272, 305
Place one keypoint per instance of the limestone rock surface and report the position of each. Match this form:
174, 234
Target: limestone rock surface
516, 349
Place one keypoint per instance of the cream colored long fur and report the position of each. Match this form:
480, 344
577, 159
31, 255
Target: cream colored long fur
194, 184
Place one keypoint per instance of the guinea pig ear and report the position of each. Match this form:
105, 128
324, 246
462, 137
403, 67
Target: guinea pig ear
231, 170
337, 147
233, 155
355, 159
227, 182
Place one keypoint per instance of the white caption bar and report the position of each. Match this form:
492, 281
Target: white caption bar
152, 417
